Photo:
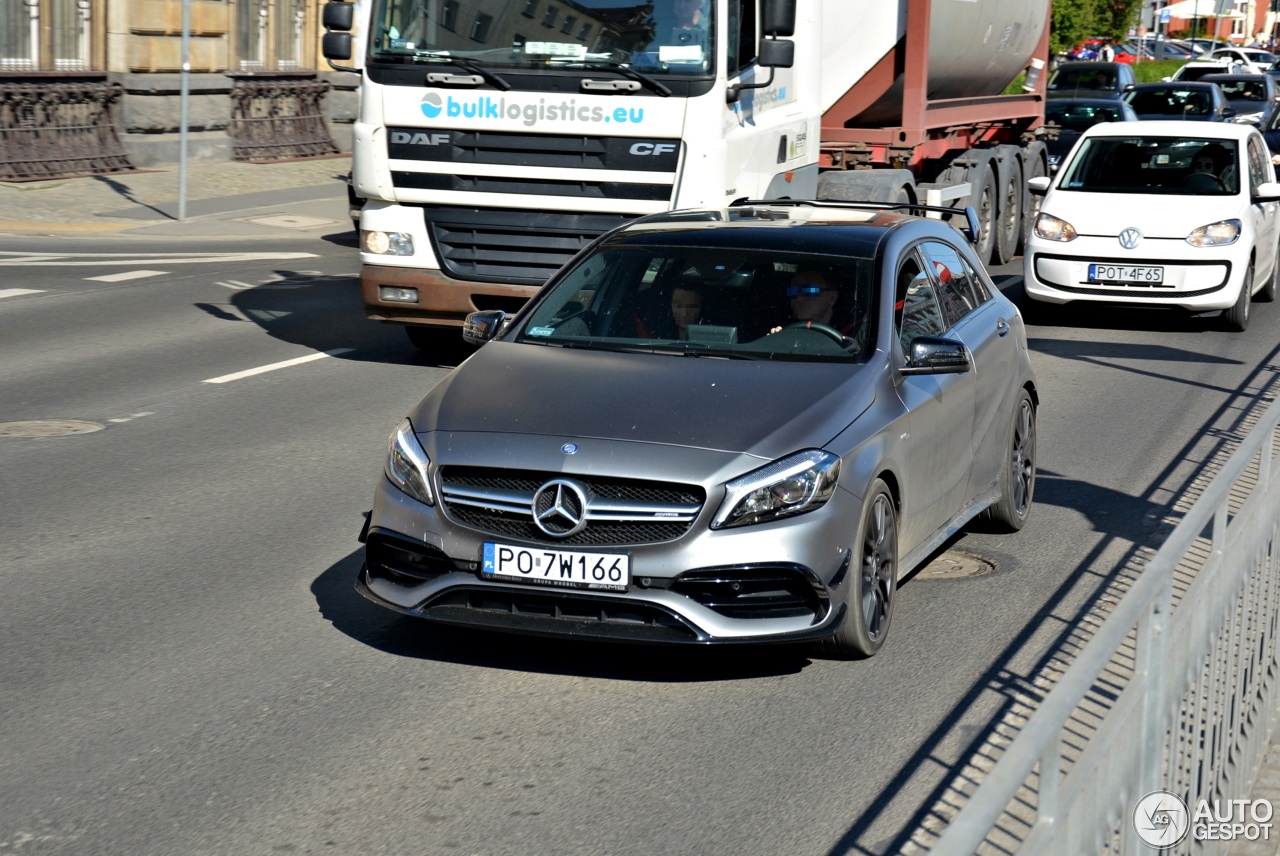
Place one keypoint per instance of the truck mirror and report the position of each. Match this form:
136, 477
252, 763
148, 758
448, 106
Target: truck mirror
777, 53
778, 18
339, 16
336, 45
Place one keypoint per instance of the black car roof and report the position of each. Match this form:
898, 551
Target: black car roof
801, 229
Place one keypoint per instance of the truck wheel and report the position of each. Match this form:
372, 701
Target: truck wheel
1009, 224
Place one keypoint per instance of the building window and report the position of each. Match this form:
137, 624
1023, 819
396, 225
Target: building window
449, 15
480, 27
584, 33
569, 21
550, 19
530, 8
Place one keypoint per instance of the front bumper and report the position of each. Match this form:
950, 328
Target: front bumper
754, 584
1198, 279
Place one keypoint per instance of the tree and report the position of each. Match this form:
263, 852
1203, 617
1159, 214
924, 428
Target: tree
1071, 22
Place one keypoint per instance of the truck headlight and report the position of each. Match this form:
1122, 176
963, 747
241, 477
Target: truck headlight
386, 243
407, 464
1052, 229
1218, 234
794, 485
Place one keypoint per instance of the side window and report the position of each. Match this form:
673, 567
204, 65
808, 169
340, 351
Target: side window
1259, 161
916, 310
742, 35
955, 290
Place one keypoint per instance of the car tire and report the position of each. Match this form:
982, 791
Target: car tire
1018, 474
1267, 294
1008, 224
873, 583
1236, 318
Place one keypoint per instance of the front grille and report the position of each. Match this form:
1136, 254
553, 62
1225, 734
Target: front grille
772, 592
533, 186
559, 614
618, 511
560, 151
501, 245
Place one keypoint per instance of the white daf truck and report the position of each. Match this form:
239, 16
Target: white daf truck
495, 138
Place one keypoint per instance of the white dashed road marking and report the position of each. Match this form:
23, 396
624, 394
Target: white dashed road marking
9, 258
18, 292
128, 274
281, 365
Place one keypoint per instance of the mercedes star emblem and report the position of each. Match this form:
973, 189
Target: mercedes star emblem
560, 508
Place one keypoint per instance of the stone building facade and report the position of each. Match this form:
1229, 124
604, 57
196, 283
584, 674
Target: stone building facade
248, 60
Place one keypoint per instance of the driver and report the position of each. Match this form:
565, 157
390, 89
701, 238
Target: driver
813, 298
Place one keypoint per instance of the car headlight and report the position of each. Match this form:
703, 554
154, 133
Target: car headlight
1052, 229
794, 485
1218, 234
407, 464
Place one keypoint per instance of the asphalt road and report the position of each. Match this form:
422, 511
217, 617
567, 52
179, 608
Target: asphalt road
185, 668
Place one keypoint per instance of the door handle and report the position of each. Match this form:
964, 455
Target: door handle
1002, 328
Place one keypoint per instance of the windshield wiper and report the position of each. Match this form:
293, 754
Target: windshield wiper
469, 64
627, 71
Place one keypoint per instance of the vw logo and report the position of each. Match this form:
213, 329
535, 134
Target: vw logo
1130, 238
560, 508
431, 105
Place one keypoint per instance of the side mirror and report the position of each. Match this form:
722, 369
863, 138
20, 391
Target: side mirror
934, 355
481, 327
336, 46
339, 16
777, 53
1039, 185
1268, 191
778, 18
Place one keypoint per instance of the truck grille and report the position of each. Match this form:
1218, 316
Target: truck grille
618, 511
510, 245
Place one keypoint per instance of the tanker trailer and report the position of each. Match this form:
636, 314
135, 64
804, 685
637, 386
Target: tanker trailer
916, 113
495, 138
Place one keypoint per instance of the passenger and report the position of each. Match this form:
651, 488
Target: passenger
686, 309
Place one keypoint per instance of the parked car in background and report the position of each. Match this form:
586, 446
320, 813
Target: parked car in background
1252, 60
1198, 68
1205, 46
1091, 49
1153, 48
1170, 214
1252, 96
1196, 101
1073, 116
766, 476
1089, 80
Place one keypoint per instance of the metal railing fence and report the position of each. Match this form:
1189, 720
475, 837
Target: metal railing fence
1176, 690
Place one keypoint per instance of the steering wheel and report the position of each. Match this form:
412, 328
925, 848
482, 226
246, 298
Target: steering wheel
830, 332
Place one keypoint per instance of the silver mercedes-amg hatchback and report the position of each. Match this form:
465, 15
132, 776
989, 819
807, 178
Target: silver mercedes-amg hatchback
738, 425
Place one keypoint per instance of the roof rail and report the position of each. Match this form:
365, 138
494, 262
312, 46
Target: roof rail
971, 230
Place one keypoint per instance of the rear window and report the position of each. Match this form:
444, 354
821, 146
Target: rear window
1080, 117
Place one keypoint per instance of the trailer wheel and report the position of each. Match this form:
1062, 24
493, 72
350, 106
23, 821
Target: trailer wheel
1009, 225
1035, 168
983, 199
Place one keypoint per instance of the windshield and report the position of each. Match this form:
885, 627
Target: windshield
651, 36
1159, 165
1077, 116
710, 302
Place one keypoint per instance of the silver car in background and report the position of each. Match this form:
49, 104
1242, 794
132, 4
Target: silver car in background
671, 444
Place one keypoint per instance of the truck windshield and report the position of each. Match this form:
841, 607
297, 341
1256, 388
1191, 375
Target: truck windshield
650, 36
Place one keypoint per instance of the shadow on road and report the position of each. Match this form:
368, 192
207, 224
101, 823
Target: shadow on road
324, 313
403, 636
